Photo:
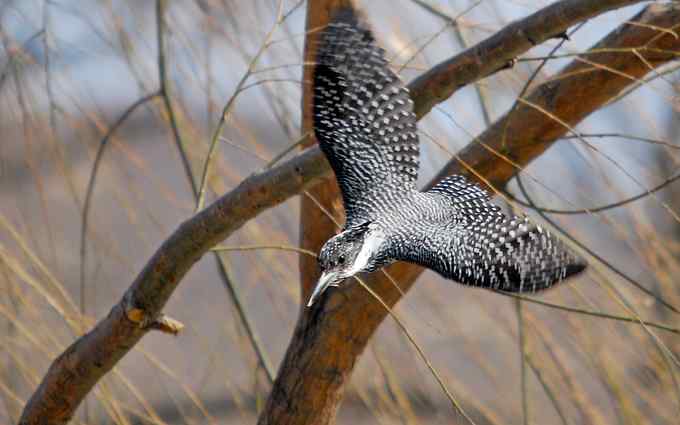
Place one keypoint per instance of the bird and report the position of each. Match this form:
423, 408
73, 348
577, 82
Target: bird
364, 122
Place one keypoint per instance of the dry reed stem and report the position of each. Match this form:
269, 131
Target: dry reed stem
79, 368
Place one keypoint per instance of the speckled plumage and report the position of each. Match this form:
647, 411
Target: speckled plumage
364, 122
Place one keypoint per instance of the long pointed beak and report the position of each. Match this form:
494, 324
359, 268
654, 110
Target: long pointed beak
324, 282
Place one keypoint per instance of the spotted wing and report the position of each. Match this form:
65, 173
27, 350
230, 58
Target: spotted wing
476, 244
363, 115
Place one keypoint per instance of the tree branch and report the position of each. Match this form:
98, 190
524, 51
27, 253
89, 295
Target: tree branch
496, 52
197, 190
330, 336
341, 324
315, 224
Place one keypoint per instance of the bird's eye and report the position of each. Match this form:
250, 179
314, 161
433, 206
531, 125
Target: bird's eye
341, 259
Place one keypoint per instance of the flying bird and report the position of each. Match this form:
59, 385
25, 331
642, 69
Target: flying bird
365, 126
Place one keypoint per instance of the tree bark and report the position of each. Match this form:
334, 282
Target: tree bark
331, 335
74, 373
315, 225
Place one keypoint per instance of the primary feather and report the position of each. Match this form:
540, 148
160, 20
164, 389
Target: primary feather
364, 122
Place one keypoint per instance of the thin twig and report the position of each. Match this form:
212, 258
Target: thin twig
93, 177
548, 391
456, 405
222, 268
604, 262
220, 248
623, 50
166, 92
522, 355
597, 257
593, 209
230, 103
591, 312
616, 164
434, 36
532, 77
668, 356
99, 350
12, 55
623, 136
288, 149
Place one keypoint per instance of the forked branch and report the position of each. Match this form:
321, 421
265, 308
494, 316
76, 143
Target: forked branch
341, 333
330, 336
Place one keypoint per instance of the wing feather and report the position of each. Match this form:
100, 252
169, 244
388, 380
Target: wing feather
363, 114
476, 244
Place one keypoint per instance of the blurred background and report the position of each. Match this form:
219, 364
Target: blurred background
70, 69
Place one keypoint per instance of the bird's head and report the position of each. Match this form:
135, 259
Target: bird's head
346, 254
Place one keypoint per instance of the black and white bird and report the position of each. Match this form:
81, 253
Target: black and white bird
365, 125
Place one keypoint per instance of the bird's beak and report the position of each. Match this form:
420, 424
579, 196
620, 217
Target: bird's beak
327, 279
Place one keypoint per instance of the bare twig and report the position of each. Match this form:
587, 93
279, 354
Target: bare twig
166, 92
455, 403
80, 367
354, 318
167, 325
452, 22
507, 45
222, 268
230, 103
549, 392
93, 177
521, 331
17, 52
593, 313
601, 208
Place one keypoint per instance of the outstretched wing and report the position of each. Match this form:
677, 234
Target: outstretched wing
476, 244
363, 115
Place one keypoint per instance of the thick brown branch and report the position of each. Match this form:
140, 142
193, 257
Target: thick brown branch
315, 225
73, 374
496, 52
329, 337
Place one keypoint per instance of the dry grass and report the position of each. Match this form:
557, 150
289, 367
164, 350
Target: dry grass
70, 71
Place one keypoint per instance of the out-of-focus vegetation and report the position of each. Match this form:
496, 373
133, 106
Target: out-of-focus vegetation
69, 70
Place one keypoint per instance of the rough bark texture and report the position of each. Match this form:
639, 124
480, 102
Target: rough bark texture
330, 336
315, 225
73, 374
496, 52
328, 339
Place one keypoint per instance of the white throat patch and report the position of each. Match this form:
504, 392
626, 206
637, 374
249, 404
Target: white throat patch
372, 243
